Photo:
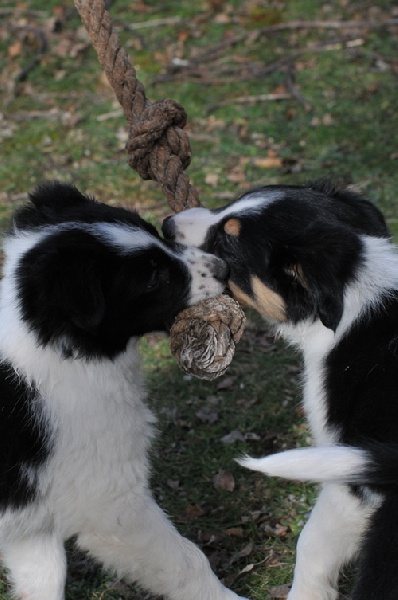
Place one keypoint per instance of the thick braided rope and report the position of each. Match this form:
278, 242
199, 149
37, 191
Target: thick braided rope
157, 146
203, 337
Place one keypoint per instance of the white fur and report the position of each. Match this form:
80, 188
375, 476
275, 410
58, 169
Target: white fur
330, 539
379, 270
201, 266
319, 463
95, 482
192, 224
334, 531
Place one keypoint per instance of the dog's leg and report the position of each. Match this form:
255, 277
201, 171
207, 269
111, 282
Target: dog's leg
329, 540
37, 567
377, 570
141, 544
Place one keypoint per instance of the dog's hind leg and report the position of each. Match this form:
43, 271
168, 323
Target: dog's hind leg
329, 540
377, 570
37, 567
142, 545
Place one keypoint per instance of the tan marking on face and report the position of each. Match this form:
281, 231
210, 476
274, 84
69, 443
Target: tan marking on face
267, 302
241, 296
232, 227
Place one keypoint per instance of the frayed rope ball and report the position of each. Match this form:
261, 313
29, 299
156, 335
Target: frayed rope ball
203, 337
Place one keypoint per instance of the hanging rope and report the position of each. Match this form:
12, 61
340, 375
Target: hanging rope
157, 146
204, 336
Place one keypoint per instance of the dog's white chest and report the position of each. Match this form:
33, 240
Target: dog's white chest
315, 403
316, 348
102, 430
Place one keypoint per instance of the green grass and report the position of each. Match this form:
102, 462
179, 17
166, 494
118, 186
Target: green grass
53, 126
259, 403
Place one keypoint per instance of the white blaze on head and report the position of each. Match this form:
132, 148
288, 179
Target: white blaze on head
192, 225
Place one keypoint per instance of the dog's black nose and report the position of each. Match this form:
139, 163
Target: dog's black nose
221, 270
169, 228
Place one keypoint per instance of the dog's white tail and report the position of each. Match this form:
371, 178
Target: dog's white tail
340, 464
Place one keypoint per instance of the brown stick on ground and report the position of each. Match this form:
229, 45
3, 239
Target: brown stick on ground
204, 336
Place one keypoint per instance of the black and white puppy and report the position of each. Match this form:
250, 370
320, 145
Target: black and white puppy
82, 281
318, 263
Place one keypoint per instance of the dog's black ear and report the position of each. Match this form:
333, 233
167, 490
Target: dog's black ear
61, 286
328, 257
55, 194
78, 295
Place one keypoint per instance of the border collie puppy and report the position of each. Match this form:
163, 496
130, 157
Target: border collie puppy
82, 281
318, 263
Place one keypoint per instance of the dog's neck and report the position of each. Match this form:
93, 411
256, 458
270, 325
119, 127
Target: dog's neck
368, 291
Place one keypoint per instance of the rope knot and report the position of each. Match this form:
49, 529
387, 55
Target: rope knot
162, 119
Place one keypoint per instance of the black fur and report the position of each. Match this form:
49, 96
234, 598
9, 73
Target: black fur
316, 231
82, 281
84, 293
25, 439
364, 359
53, 203
377, 573
310, 245
86, 304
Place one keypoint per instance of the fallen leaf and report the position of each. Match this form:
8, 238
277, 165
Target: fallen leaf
268, 163
277, 531
194, 510
252, 437
183, 36
222, 19
247, 403
256, 514
226, 383
14, 50
232, 437
237, 176
235, 532
281, 530
207, 537
212, 123
246, 550
212, 179
246, 569
279, 592
207, 415
173, 484
184, 423
212, 399
224, 480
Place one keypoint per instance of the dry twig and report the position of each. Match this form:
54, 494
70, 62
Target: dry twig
195, 69
248, 100
41, 36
